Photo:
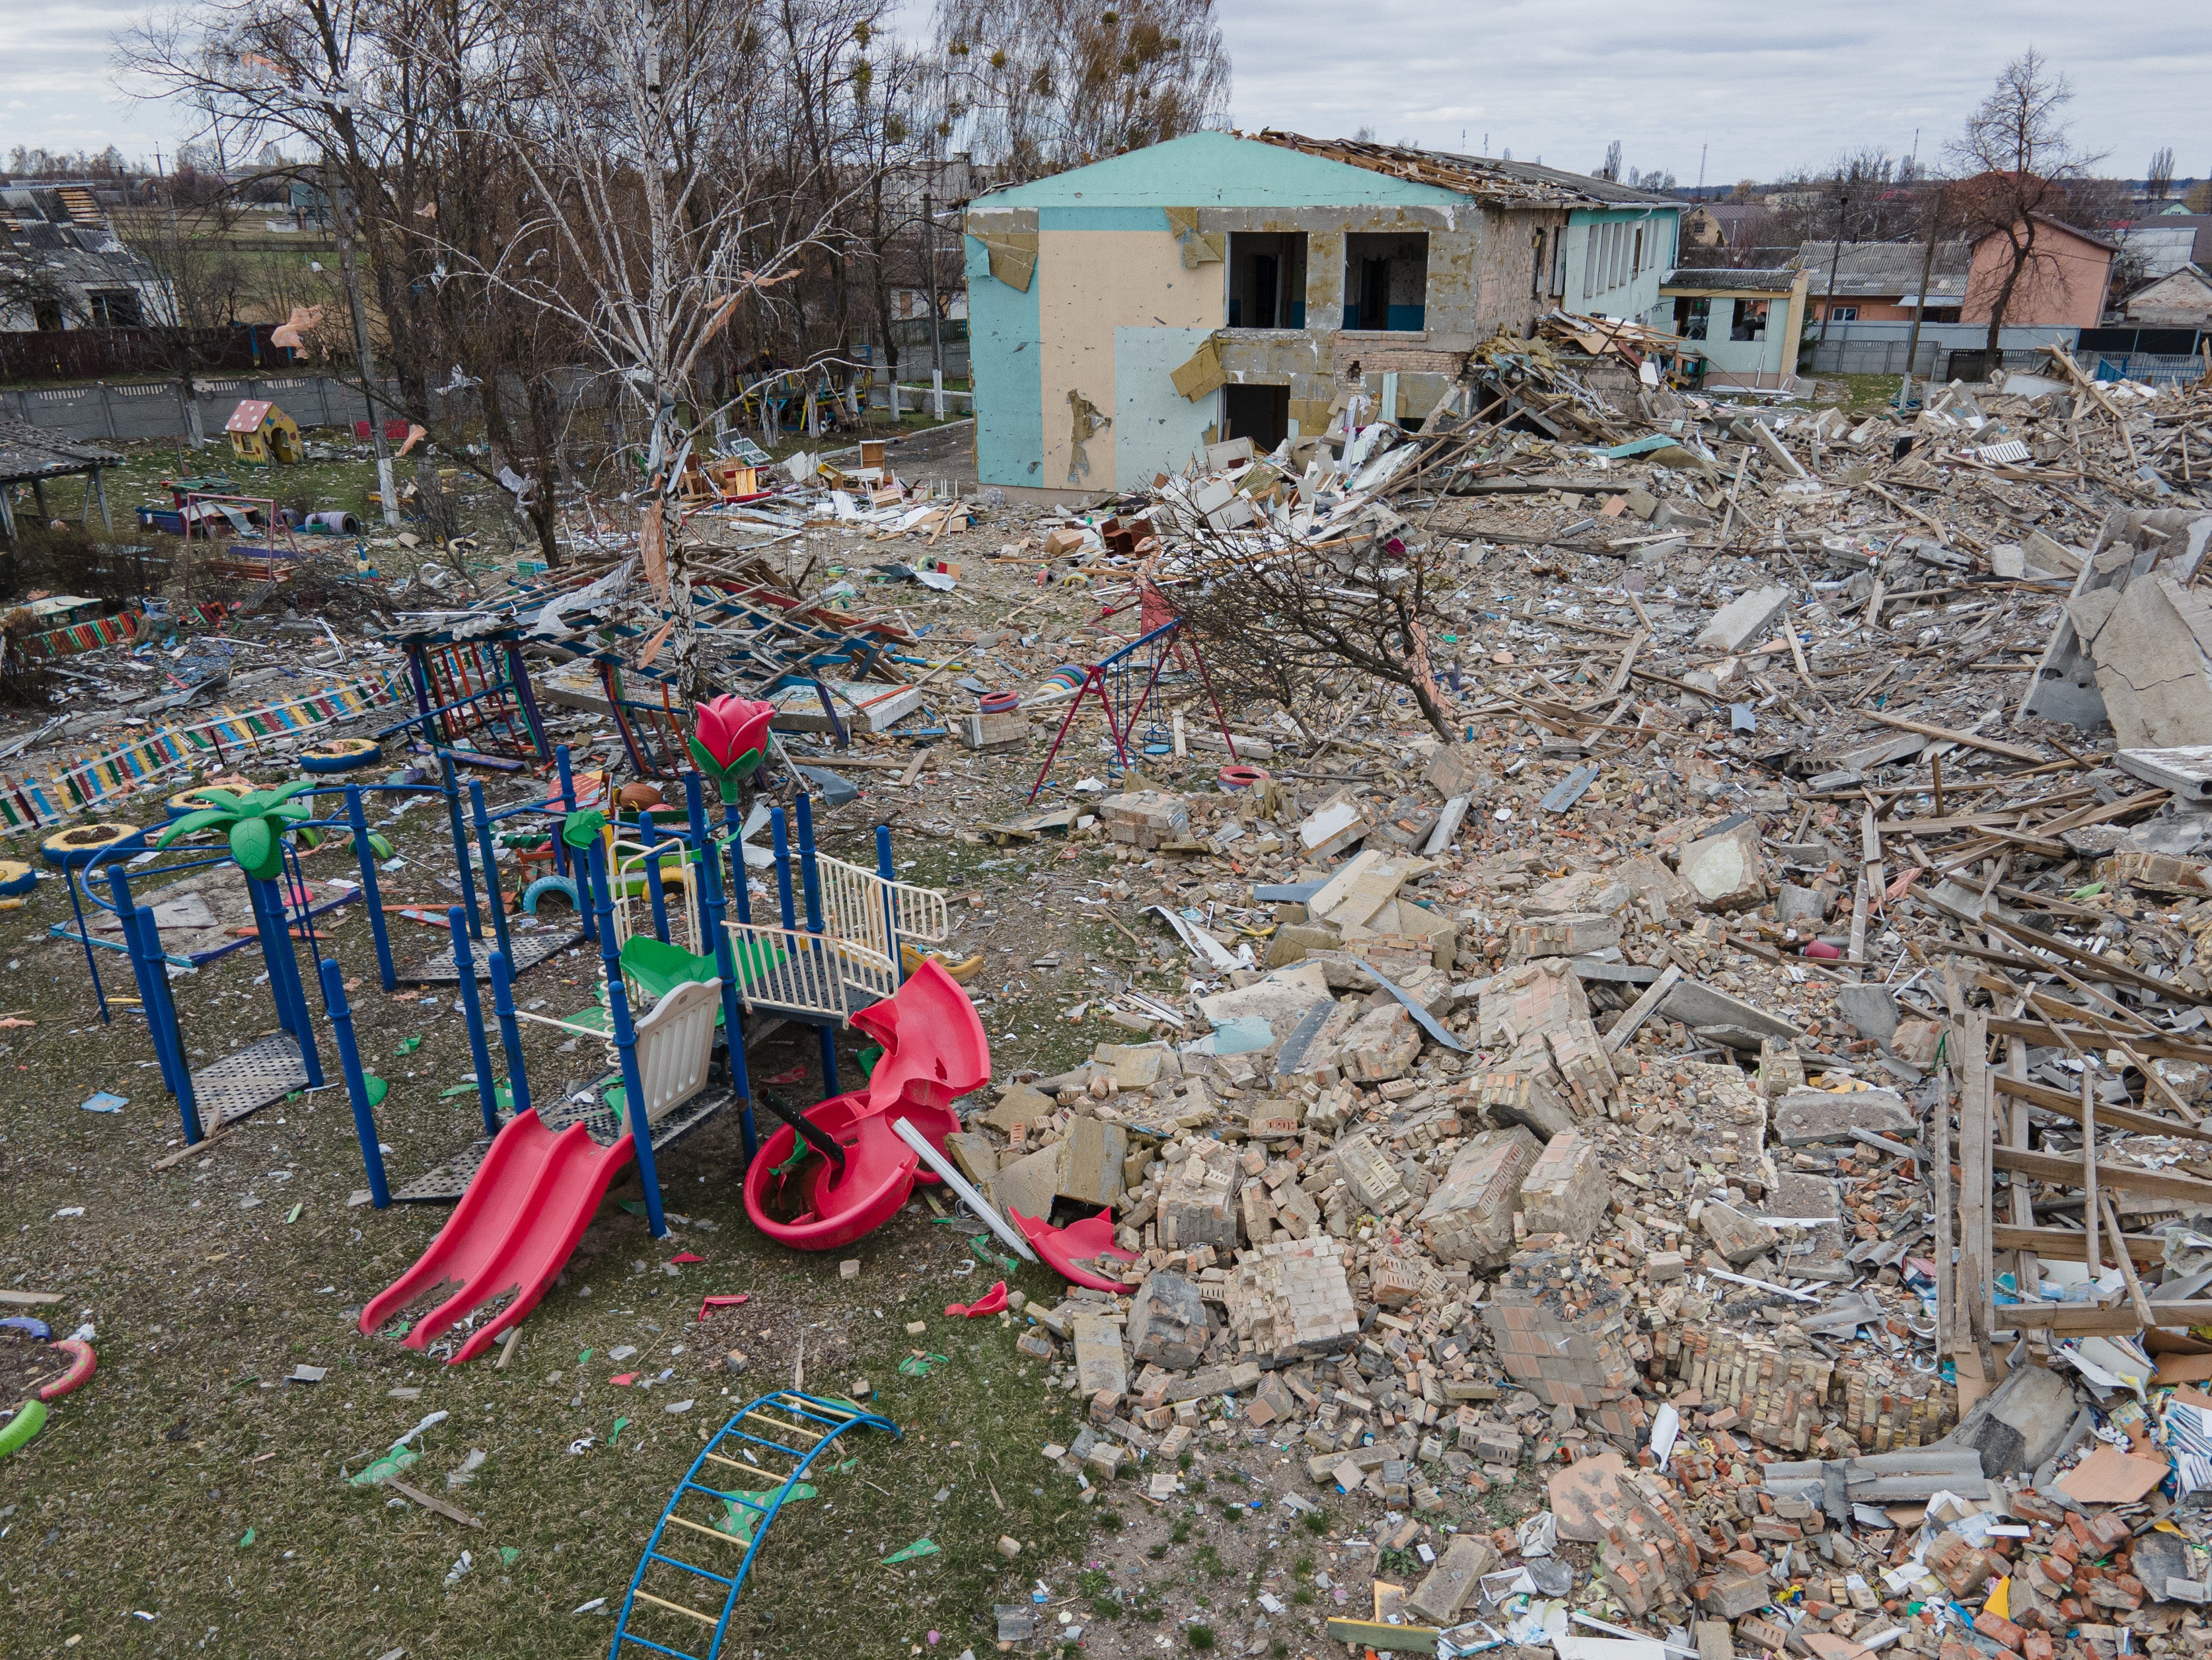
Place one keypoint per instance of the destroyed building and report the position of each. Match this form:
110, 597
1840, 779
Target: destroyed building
1125, 314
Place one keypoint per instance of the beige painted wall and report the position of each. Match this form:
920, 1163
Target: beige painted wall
1088, 284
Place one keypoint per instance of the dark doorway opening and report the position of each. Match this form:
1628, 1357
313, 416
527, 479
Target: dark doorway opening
1262, 414
1267, 279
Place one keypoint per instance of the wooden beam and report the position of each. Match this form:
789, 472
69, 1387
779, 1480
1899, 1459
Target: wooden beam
1975, 1131
2079, 1319
1953, 735
2159, 1047
2066, 1172
1640, 1011
2066, 1244
2069, 1106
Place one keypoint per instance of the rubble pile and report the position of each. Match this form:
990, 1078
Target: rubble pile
1591, 1096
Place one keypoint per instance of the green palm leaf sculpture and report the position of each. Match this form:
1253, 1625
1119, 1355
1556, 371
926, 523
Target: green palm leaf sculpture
255, 822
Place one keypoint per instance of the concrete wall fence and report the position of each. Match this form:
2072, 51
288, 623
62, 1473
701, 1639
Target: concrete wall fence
1879, 348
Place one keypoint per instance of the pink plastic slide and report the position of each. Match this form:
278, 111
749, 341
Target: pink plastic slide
523, 1213
934, 1050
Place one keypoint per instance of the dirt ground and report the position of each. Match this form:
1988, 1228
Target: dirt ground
192, 1499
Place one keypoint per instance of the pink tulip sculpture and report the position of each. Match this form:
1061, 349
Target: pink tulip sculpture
730, 741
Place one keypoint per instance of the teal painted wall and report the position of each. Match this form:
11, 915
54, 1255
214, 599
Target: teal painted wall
1002, 356
1155, 430
1212, 169
1590, 288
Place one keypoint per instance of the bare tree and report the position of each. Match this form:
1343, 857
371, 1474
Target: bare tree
1610, 168
2015, 160
1044, 85
2157, 177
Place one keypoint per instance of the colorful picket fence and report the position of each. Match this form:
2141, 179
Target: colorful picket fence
233, 738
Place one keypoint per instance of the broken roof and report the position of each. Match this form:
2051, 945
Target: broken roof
1723, 279
28, 451
1504, 184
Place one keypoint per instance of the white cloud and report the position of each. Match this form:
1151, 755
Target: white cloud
1767, 86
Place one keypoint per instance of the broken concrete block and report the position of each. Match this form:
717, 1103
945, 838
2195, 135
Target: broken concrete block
1585, 1066
1799, 907
1027, 1184
1352, 898
1292, 940
1333, 826
1745, 619
1700, 1007
1870, 1010
1168, 1323
1135, 1065
1381, 1045
1198, 1201
1446, 1587
1524, 1097
1457, 769
1736, 1237
1145, 819
1727, 868
1469, 1218
1290, 1298
1372, 1179
2153, 658
1570, 934
1804, 1117
1090, 1161
1535, 998
2022, 1423
1567, 1190
1100, 1363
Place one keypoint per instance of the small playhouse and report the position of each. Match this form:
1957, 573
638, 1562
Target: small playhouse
262, 435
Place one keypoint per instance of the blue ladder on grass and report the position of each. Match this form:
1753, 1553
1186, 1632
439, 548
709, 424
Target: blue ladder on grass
742, 1515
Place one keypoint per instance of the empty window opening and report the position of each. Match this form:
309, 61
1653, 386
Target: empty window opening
1267, 279
1386, 281
1749, 322
1559, 260
1262, 414
1637, 263
1691, 313
115, 308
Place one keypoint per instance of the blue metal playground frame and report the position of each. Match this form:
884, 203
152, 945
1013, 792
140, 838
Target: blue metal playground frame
837, 1416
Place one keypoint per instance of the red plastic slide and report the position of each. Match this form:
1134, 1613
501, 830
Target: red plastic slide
934, 1050
523, 1213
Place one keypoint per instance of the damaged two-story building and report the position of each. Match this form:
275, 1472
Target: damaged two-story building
1124, 315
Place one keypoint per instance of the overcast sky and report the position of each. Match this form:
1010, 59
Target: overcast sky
1766, 87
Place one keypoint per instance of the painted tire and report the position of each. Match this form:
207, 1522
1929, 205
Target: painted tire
1242, 777
341, 755
189, 801
999, 703
78, 845
30, 1418
16, 877
545, 885
82, 1362
30, 1325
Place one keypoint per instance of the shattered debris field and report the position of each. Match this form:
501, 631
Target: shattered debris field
1657, 1097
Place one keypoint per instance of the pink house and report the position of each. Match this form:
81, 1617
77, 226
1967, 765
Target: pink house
2064, 285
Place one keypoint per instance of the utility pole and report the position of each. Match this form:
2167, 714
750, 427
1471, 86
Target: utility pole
936, 312
1835, 257
342, 221
1920, 300
1702, 149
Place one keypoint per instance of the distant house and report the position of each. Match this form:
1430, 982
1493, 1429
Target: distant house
66, 267
1124, 315
2064, 287
2162, 245
1721, 224
2181, 299
1741, 328
1880, 282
